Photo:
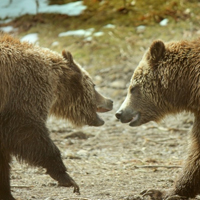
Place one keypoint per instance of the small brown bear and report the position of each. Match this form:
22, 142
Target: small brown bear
35, 83
167, 81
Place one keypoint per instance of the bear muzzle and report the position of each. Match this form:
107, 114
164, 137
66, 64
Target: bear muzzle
126, 116
106, 106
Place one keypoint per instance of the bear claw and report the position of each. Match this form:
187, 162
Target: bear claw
154, 194
70, 183
161, 195
76, 187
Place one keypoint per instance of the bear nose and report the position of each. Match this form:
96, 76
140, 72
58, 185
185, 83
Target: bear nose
118, 114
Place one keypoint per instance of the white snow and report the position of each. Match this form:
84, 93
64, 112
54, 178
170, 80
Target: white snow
20, 7
31, 38
79, 33
88, 33
56, 43
5, 21
7, 29
98, 34
15, 8
71, 9
164, 22
109, 26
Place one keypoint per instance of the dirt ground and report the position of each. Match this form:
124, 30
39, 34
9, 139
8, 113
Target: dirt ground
115, 161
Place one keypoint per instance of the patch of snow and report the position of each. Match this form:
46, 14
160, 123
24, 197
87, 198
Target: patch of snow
71, 9
79, 33
164, 22
20, 7
97, 34
5, 21
17, 8
109, 26
88, 39
31, 38
56, 43
7, 29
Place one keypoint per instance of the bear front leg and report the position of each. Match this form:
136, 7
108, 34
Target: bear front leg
35, 147
5, 193
188, 183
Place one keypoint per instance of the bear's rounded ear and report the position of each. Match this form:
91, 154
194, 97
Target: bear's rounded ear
70, 61
157, 50
68, 56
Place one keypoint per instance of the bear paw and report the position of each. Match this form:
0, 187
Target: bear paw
162, 195
69, 182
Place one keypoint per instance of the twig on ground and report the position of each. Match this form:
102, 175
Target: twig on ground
157, 166
22, 186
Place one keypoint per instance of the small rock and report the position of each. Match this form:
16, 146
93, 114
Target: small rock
83, 153
133, 197
79, 135
119, 84
98, 79
140, 29
49, 198
71, 155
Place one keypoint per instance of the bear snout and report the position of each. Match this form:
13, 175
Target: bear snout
107, 106
118, 114
124, 116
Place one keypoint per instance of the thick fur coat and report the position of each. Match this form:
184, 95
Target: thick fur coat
166, 81
35, 83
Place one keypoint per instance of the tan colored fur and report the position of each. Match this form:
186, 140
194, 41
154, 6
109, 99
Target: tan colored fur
48, 79
34, 83
167, 80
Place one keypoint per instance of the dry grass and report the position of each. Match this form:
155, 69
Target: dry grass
118, 45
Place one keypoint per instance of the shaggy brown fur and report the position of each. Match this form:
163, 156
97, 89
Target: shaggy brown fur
167, 81
36, 82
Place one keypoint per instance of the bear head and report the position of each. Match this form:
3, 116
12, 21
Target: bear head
148, 97
77, 99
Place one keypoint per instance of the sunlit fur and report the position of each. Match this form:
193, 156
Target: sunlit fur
168, 81
34, 83
48, 84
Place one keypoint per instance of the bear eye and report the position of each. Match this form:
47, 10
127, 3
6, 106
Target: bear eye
132, 90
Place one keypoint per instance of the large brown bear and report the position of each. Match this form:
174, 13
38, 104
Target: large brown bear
166, 81
34, 83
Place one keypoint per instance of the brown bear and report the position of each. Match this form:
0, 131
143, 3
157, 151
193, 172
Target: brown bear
35, 83
167, 81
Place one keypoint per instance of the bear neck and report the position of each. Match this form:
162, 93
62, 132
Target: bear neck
179, 80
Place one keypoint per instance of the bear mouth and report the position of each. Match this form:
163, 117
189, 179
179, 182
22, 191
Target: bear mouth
102, 110
97, 121
135, 119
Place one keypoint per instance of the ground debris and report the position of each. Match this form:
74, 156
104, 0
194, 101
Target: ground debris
133, 197
79, 135
157, 166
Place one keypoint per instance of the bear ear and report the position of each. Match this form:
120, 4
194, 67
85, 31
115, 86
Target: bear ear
68, 56
70, 61
157, 50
